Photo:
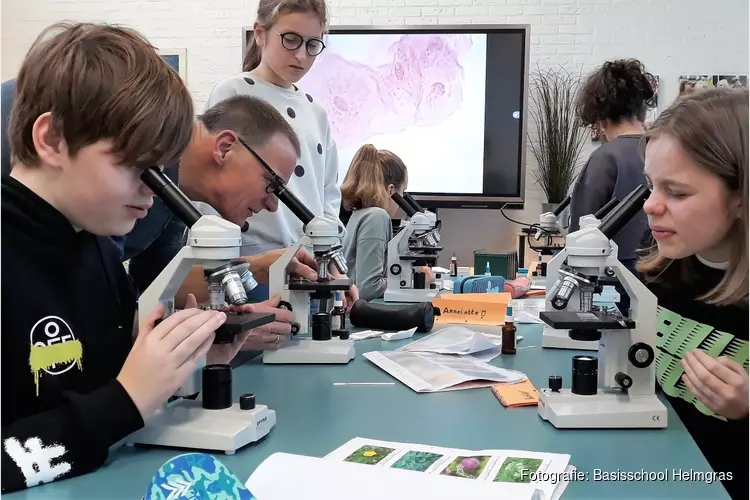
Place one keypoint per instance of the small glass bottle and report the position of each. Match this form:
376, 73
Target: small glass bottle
338, 314
508, 341
454, 266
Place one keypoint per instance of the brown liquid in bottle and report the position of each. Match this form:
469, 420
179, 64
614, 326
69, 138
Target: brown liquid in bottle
508, 341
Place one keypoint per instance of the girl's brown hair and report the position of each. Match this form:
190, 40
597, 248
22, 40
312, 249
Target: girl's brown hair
268, 14
712, 128
370, 173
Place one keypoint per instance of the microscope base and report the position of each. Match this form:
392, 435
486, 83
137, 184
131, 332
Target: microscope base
309, 352
566, 410
559, 339
410, 295
186, 424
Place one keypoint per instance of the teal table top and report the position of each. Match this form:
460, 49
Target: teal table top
314, 417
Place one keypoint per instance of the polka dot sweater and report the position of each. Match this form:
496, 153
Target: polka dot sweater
315, 178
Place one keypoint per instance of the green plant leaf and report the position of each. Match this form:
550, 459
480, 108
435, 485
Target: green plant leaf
559, 139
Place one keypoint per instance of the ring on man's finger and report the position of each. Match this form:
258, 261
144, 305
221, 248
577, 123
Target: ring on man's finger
278, 337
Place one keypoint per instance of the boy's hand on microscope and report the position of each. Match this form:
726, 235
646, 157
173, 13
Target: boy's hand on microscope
719, 383
164, 355
271, 336
302, 265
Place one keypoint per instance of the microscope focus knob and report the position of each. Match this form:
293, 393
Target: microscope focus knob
623, 380
641, 355
247, 402
555, 383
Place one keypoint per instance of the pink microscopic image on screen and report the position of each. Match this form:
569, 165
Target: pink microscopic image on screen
419, 82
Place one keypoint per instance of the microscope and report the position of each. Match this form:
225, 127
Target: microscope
414, 245
626, 366
324, 236
548, 227
214, 423
560, 339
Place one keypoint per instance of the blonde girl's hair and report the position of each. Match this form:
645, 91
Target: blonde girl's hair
712, 128
268, 14
370, 172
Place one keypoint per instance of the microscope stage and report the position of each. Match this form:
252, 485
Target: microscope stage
604, 410
242, 322
594, 320
333, 285
186, 424
312, 352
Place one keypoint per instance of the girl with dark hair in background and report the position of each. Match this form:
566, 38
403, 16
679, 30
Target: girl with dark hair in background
615, 98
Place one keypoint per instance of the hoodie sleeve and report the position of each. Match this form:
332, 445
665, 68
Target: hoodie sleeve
70, 440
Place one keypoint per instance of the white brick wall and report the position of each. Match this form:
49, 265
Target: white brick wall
671, 37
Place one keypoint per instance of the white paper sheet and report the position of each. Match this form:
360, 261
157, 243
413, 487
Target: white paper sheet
428, 372
451, 340
511, 471
283, 476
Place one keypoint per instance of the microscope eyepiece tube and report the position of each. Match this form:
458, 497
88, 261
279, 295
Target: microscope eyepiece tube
602, 212
414, 203
293, 203
585, 375
624, 211
163, 187
562, 206
403, 204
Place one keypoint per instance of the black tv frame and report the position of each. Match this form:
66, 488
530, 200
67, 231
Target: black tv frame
448, 200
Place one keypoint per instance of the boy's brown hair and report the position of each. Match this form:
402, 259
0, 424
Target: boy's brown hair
101, 82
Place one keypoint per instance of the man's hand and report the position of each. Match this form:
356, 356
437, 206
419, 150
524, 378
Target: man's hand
267, 337
352, 295
302, 265
720, 384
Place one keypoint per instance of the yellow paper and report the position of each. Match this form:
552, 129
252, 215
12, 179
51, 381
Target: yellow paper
520, 394
472, 308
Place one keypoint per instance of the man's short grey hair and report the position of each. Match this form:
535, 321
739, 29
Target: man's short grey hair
253, 119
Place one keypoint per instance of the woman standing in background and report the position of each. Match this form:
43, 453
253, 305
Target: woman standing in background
615, 98
287, 37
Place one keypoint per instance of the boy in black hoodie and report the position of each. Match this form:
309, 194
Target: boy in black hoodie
95, 105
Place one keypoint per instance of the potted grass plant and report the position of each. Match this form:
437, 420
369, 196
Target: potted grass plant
556, 140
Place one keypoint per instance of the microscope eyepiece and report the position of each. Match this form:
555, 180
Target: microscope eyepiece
624, 211
163, 187
562, 206
411, 201
403, 204
293, 203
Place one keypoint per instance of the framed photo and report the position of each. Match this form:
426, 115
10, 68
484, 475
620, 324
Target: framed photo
177, 59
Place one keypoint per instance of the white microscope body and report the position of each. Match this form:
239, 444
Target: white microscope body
324, 236
184, 423
617, 390
415, 243
559, 339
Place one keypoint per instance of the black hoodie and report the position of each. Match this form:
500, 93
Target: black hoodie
68, 309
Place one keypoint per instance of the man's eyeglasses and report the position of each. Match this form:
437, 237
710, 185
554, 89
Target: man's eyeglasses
274, 181
293, 41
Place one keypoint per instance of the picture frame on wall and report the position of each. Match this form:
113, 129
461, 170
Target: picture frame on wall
177, 60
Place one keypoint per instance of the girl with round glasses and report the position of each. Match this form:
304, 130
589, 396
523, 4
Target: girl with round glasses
287, 37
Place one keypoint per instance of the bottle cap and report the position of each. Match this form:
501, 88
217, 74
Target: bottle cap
454, 254
509, 312
337, 300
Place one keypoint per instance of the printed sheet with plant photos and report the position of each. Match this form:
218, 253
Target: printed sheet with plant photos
540, 470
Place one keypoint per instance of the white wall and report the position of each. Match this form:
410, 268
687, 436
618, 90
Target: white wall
671, 37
